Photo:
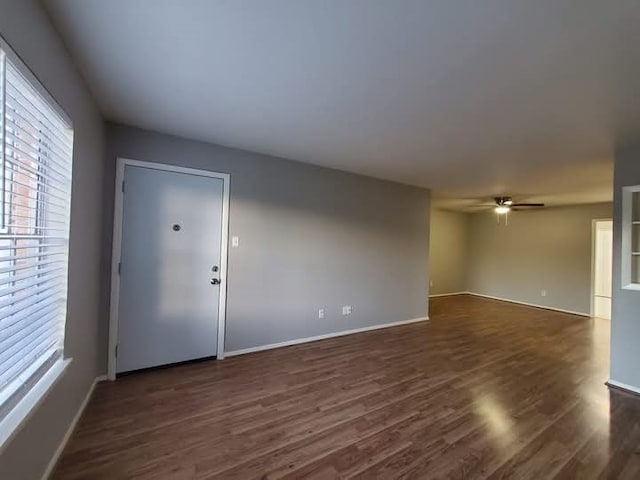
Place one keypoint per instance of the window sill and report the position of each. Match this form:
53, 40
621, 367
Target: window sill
17, 417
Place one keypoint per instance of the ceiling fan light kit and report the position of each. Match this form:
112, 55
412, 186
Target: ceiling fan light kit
505, 205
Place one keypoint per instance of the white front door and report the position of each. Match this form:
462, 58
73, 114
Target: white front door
170, 268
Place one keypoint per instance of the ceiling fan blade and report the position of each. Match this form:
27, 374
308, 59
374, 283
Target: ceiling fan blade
528, 205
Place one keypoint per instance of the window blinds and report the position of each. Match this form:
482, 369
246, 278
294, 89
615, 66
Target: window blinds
36, 147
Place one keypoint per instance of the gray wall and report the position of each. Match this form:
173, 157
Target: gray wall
546, 249
448, 252
25, 26
625, 320
310, 238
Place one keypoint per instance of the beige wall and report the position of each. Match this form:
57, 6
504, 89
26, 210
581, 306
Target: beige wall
448, 252
539, 250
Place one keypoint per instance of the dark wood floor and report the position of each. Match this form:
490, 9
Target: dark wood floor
483, 390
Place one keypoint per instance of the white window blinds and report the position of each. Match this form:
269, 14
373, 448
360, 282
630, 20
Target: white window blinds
36, 146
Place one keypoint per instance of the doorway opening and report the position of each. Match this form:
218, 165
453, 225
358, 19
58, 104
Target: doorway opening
602, 268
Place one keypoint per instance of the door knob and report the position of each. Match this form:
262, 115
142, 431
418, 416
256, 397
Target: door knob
215, 281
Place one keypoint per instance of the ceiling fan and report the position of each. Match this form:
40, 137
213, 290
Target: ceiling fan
504, 205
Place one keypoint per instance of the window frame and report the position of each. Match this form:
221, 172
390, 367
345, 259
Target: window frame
630, 232
40, 377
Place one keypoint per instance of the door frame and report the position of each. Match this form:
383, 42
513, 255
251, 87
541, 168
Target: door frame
594, 232
118, 209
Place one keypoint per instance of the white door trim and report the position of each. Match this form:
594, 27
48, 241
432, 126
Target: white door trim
117, 249
594, 226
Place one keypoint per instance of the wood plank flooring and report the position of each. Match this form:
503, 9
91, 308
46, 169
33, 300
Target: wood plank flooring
485, 389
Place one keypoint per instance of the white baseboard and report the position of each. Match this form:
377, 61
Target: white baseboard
72, 427
322, 337
447, 294
571, 312
624, 386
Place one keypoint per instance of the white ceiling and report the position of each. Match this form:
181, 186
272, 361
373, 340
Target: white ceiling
470, 98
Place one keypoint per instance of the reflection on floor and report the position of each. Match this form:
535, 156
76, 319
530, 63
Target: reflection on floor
485, 389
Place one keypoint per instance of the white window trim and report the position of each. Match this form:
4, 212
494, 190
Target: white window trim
626, 251
18, 416
14, 58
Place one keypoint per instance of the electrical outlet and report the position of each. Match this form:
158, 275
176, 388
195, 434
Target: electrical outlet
346, 310
321, 313
543, 293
